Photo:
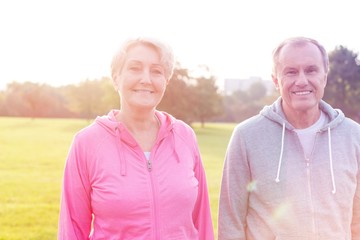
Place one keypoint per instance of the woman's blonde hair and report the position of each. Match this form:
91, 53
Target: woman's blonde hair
164, 50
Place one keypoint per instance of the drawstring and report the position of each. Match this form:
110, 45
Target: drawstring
121, 155
330, 157
123, 163
281, 153
331, 163
174, 150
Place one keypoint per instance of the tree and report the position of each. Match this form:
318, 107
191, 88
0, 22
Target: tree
2, 104
110, 98
343, 85
235, 106
30, 100
86, 98
192, 98
243, 104
178, 95
207, 100
257, 91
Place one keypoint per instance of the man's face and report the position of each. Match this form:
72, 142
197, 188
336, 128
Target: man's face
300, 78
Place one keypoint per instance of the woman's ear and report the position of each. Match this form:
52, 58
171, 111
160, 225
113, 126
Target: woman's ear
115, 83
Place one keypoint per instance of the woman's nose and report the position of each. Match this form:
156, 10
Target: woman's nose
145, 77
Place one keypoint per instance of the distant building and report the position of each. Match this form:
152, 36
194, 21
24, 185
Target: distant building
232, 85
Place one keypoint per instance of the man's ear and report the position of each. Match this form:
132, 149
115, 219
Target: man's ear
275, 81
325, 80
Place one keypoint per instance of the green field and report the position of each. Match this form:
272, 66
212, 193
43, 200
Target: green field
32, 157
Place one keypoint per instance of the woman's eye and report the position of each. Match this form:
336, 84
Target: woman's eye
158, 71
134, 68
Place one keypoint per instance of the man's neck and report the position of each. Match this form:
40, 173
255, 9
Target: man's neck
303, 119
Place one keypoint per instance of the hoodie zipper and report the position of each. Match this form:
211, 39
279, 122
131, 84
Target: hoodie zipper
308, 173
154, 198
149, 165
308, 180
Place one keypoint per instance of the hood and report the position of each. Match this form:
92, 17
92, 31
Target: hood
120, 132
274, 113
110, 123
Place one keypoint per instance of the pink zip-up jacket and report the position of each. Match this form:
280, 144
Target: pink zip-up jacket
108, 176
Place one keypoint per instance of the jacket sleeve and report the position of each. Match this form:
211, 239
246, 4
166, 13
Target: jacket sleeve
233, 193
202, 212
75, 208
355, 225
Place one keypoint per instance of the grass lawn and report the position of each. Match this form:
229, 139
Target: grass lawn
32, 157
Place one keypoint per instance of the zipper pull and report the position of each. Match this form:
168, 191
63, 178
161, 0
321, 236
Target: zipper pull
149, 166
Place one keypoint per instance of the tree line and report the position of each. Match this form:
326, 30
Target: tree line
187, 97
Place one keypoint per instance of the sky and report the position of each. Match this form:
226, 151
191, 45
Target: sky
67, 41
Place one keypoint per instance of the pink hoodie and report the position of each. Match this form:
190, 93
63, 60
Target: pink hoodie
108, 175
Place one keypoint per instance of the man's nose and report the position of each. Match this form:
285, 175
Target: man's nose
302, 79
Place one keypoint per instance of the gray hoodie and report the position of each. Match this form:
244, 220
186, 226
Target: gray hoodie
270, 191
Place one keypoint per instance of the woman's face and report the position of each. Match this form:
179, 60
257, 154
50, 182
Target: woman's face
141, 83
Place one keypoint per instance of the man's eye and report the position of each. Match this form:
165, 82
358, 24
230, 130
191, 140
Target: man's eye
290, 73
311, 71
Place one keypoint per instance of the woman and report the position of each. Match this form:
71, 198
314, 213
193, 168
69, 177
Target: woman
136, 173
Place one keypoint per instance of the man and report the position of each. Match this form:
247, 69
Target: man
293, 171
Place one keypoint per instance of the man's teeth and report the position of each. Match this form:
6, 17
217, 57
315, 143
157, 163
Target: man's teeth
302, 93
